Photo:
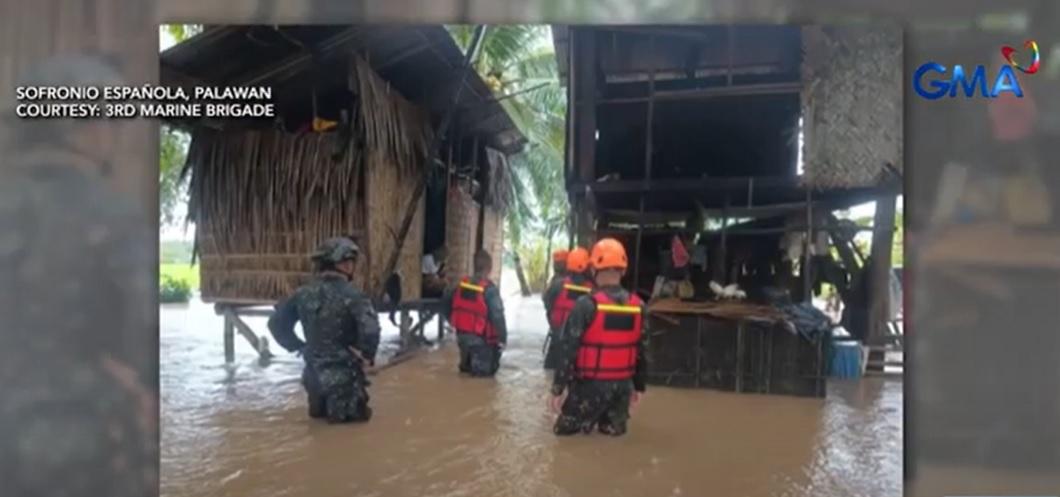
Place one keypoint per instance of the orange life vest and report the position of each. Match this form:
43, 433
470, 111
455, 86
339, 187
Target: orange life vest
565, 300
469, 313
609, 346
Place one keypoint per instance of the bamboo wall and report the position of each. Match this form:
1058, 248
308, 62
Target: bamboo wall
493, 235
389, 189
461, 225
263, 201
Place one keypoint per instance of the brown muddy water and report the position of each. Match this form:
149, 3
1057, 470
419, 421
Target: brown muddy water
243, 431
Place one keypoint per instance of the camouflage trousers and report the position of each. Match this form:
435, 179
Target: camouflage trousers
595, 404
477, 357
337, 392
551, 352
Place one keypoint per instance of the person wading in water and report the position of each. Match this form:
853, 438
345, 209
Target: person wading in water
341, 330
476, 312
601, 368
561, 295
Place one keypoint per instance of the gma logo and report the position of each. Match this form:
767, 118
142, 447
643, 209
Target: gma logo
940, 84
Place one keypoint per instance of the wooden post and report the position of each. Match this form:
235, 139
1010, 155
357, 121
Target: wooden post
405, 329
769, 359
230, 339
699, 349
721, 269
570, 157
880, 271
807, 258
260, 344
650, 119
739, 355
482, 173
583, 70
636, 248
648, 122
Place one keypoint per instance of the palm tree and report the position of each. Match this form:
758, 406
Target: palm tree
173, 145
518, 63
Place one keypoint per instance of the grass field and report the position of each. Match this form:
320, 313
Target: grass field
182, 271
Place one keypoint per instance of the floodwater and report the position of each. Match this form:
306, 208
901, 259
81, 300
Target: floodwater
243, 431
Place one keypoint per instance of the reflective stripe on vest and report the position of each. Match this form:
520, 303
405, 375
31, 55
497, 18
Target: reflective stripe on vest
564, 302
469, 313
609, 346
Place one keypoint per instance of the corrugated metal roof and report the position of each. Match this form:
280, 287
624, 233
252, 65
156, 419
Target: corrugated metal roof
421, 62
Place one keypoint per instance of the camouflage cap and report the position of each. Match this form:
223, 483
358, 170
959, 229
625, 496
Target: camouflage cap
336, 250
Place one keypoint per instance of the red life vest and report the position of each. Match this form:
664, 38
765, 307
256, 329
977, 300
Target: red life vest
469, 313
609, 346
565, 300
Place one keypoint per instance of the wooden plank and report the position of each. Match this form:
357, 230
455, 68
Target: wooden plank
807, 260
880, 268
686, 184
260, 345
717, 92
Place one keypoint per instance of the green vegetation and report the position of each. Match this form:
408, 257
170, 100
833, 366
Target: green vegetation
537, 258
173, 290
173, 147
172, 189
175, 269
519, 64
897, 250
180, 271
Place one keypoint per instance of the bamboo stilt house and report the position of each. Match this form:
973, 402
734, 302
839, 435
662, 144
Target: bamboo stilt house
265, 192
742, 141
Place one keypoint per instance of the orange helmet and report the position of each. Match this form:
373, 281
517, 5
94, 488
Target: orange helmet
609, 253
559, 255
578, 260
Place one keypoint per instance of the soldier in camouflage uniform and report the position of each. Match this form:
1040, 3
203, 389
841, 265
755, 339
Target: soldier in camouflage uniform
475, 310
341, 330
601, 352
560, 296
79, 407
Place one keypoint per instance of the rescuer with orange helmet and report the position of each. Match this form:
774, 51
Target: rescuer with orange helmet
561, 295
601, 366
559, 263
476, 312
559, 271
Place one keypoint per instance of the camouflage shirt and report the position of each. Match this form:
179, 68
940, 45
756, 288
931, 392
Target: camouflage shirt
494, 307
78, 413
569, 341
334, 316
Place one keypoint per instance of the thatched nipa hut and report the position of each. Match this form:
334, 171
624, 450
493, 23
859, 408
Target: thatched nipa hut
265, 193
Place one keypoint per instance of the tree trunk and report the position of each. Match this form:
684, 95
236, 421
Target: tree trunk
523, 287
548, 257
